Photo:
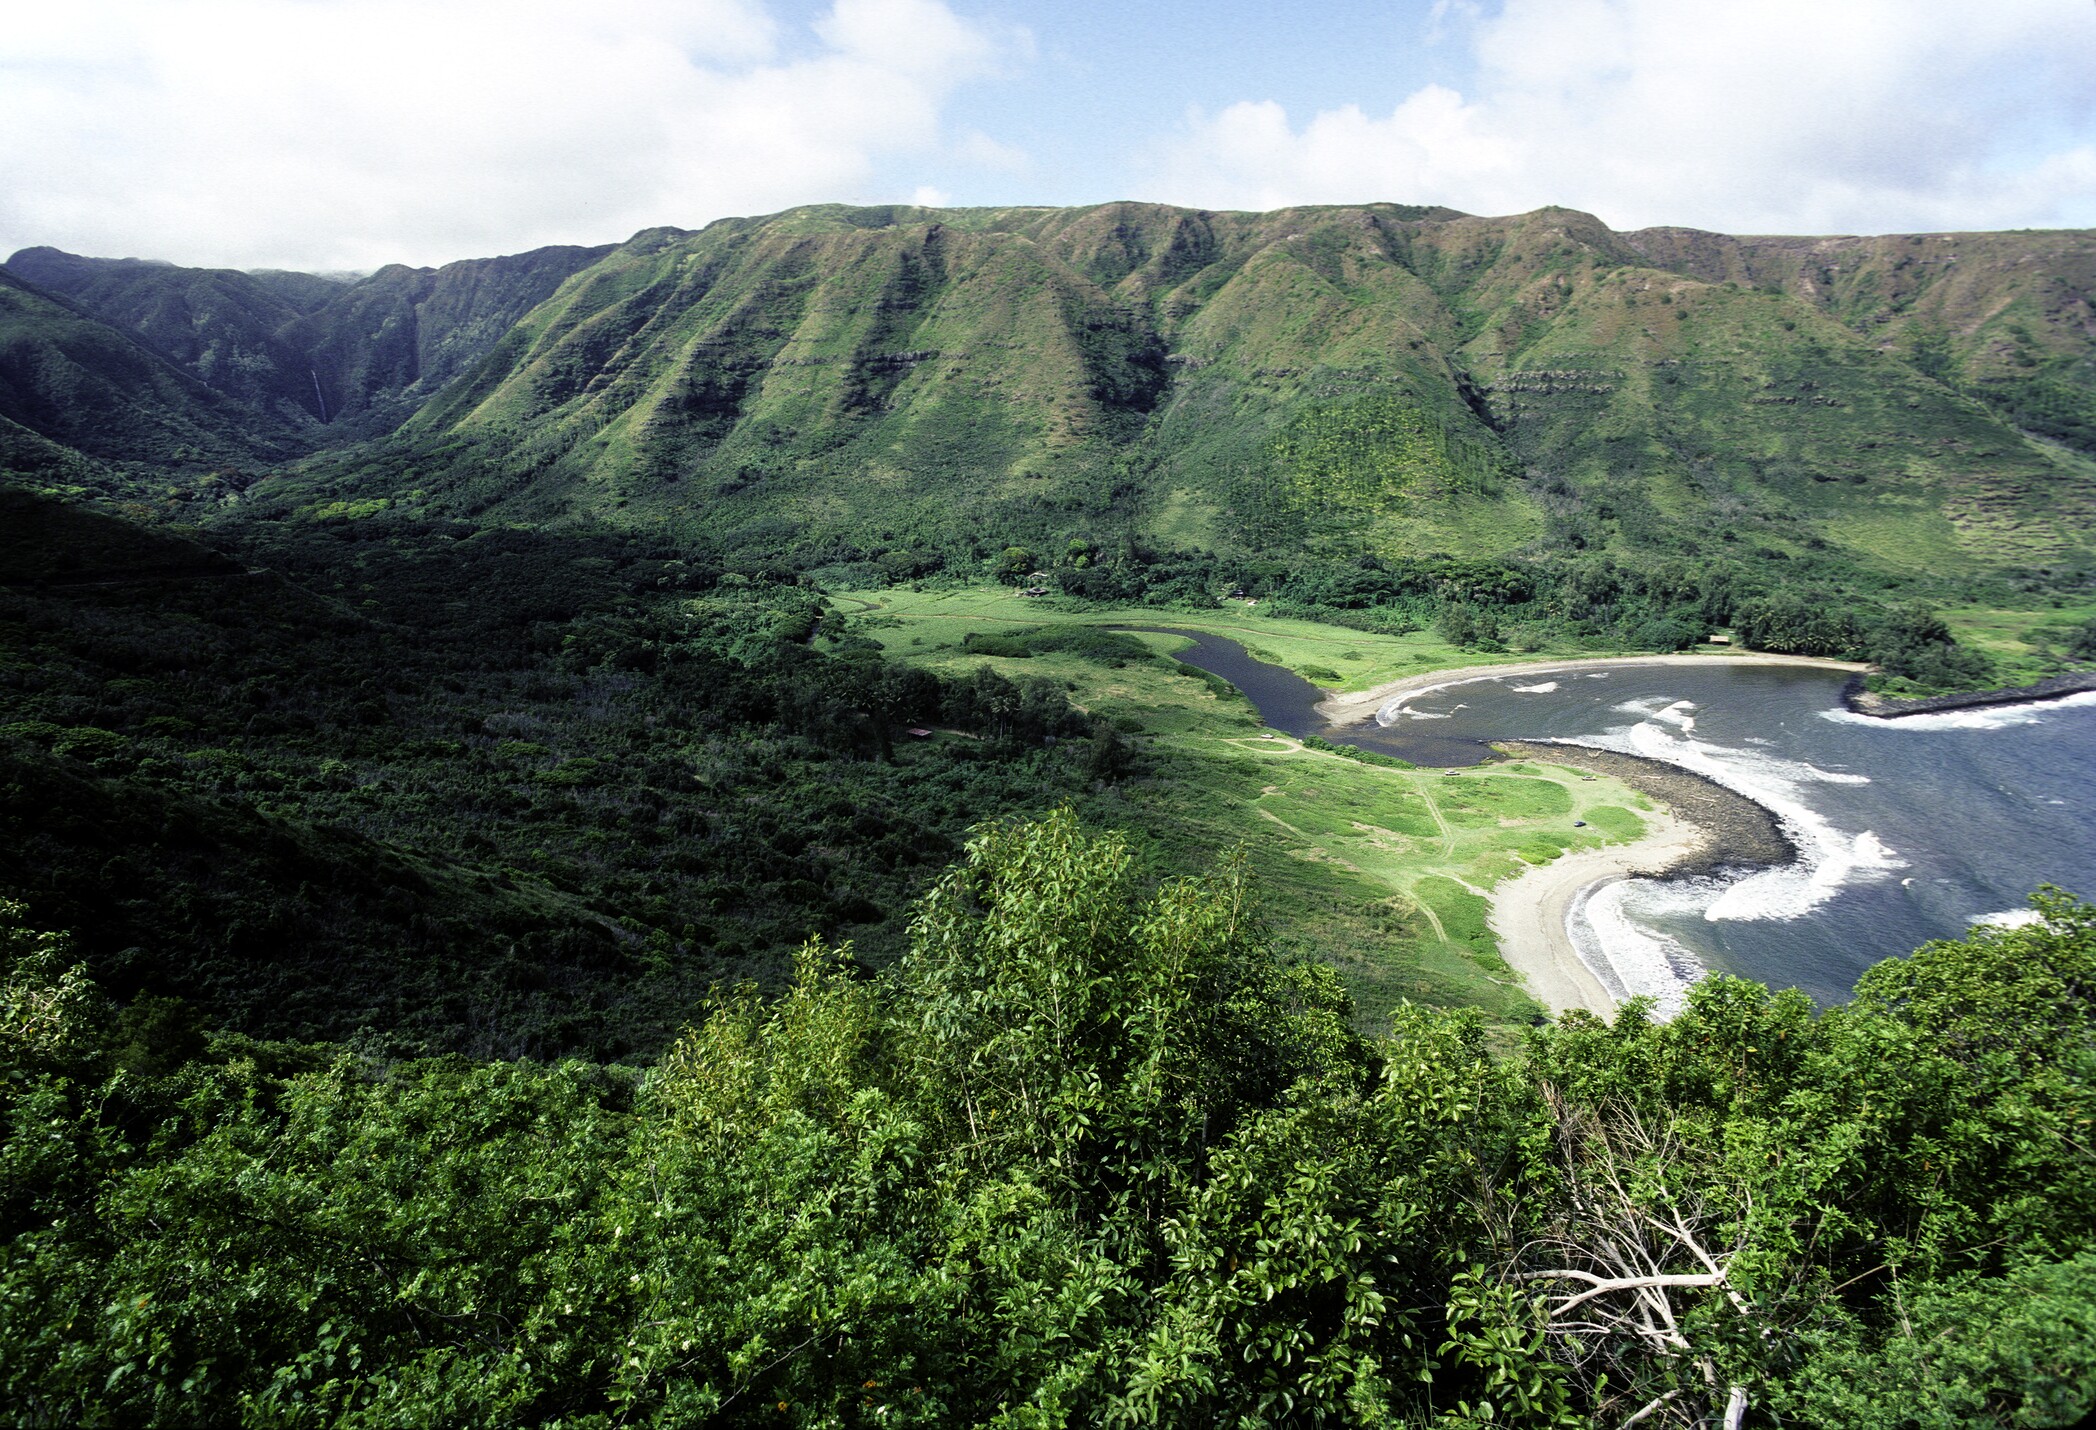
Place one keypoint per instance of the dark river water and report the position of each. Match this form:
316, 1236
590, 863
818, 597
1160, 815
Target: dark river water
1907, 830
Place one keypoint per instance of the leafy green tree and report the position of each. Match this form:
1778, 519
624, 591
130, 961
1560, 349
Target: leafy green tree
1092, 1153
1014, 565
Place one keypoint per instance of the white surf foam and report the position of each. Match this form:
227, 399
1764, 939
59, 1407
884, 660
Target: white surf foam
1613, 925
1544, 689
2006, 919
1610, 927
1400, 707
1987, 717
1829, 858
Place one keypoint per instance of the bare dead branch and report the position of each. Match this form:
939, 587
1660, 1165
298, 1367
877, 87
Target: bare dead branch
1651, 1407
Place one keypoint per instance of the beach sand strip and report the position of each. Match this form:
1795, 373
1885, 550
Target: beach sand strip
1701, 827
1528, 912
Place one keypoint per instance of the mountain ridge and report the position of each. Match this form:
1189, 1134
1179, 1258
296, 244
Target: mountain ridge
1386, 379
311, 351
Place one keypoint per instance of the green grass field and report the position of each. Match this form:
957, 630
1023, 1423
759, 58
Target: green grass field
907, 622
1378, 869
2025, 644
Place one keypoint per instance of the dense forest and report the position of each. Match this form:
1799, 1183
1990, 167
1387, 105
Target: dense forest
1087, 1154
483, 791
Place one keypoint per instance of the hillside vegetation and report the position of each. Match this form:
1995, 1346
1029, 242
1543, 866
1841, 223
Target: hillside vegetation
75, 394
327, 360
1378, 379
1089, 1154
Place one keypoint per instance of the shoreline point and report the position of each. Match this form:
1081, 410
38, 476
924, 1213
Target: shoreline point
1341, 708
1529, 912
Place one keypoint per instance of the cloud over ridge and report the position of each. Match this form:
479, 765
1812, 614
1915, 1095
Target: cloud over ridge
337, 133
1778, 116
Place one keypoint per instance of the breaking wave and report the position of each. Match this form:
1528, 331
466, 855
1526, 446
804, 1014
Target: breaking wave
1611, 928
1988, 717
1614, 928
2007, 919
1400, 708
1828, 857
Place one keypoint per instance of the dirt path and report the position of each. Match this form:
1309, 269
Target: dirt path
1431, 917
1448, 836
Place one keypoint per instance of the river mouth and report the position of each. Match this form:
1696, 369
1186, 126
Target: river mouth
1902, 831
1288, 703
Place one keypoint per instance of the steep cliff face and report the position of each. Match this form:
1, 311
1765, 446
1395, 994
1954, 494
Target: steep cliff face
2009, 316
339, 359
224, 328
71, 384
389, 342
1392, 379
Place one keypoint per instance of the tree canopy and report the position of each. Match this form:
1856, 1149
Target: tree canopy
1091, 1153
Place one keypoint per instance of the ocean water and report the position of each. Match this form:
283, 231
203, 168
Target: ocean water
1907, 830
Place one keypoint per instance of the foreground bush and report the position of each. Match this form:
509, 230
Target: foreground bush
1091, 1154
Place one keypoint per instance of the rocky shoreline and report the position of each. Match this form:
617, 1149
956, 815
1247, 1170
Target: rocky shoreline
1738, 833
1886, 707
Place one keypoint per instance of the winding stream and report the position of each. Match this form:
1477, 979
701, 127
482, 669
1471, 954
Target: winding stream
1907, 830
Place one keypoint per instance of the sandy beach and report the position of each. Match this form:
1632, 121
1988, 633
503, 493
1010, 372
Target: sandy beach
1528, 911
1346, 709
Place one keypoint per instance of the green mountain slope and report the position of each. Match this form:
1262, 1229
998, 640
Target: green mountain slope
1034, 372
1363, 379
79, 385
387, 343
834, 384
221, 326
2009, 316
338, 360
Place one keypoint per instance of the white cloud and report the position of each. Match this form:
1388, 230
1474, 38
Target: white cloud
1754, 116
979, 150
347, 133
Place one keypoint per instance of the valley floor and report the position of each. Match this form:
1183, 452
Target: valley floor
1428, 885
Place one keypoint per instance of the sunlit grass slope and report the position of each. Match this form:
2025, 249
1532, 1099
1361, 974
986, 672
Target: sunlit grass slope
908, 620
1380, 869
2026, 644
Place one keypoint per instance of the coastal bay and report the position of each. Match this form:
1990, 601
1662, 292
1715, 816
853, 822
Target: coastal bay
1828, 837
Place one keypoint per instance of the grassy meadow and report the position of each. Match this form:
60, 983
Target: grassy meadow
2024, 643
910, 623
1380, 869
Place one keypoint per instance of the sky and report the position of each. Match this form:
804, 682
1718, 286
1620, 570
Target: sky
339, 135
